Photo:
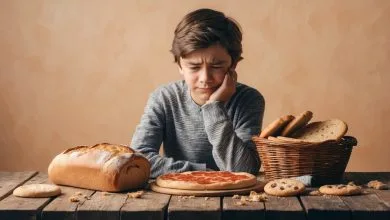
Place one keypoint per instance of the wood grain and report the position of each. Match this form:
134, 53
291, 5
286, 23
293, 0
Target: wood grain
194, 208
61, 207
283, 208
251, 210
14, 207
150, 206
102, 205
10, 180
324, 207
368, 205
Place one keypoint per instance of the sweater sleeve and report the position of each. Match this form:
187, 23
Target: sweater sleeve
148, 137
233, 148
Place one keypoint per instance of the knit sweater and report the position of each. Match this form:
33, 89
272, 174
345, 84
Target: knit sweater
214, 136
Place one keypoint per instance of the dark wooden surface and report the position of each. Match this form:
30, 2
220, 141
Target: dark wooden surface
373, 204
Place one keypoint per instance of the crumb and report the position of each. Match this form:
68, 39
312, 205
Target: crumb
375, 184
87, 197
191, 197
244, 199
236, 197
241, 203
135, 195
78, 193
255, 198
252, 193
74, 199
351, 183
315, 193
206, 198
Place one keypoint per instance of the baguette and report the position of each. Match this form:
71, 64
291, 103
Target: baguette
103, 167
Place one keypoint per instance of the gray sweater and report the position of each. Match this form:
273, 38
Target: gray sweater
214, 136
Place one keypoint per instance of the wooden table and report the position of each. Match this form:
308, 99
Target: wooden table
373, 204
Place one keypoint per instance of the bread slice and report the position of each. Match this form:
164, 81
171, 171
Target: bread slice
299, 121
319, 131
276, 126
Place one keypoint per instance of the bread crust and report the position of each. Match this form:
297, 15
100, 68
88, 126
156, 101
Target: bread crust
104, 167
298, 122
275, 127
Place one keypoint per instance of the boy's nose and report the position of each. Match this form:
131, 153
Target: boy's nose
204, 75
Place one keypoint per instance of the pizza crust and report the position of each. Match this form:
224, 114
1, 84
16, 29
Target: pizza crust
211, 176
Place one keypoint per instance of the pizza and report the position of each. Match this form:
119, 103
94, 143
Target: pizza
206, 180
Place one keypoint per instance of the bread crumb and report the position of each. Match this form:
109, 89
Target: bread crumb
74, 199
206, 198
236, 197
241, 203
136, 195
315, 193
375, 184
78, 193
244, 199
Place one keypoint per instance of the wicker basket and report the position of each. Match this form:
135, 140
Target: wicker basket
325, 162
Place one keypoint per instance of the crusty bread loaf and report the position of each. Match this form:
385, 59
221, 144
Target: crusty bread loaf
104, 167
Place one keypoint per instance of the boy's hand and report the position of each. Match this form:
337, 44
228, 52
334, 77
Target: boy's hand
227, 88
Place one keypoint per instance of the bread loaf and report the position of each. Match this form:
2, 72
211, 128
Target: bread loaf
103, 167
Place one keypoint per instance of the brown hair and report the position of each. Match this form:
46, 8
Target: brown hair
203, 28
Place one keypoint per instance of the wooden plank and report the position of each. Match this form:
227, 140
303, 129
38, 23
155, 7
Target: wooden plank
324, 207
14, 207
283, 208
151, 206
102, 205
61, 207
251, 210
10, 180
367, 205
194, 208
384, 177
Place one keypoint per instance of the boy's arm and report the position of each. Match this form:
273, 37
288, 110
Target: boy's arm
233, 149
148, 137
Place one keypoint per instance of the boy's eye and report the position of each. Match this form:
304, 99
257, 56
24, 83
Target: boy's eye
193, 67
217, 67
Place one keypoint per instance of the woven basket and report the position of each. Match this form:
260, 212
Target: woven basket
325, 161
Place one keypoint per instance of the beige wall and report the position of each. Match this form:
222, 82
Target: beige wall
79, 72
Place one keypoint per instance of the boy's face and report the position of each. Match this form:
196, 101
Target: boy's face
204, 71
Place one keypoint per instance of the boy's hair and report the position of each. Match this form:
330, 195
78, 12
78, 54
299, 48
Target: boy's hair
203, 28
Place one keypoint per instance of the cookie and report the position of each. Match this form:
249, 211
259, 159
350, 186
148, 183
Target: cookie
340, 190
298, 122
375, 184
320, 131
276, 126
284, 187
37, 191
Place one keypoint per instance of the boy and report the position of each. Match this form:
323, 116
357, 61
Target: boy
205, 121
